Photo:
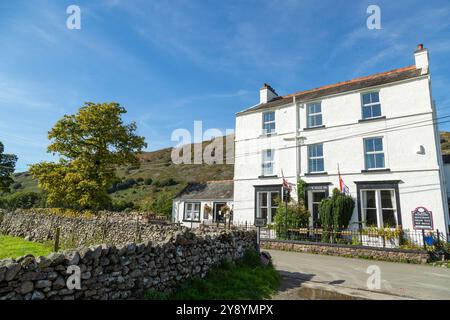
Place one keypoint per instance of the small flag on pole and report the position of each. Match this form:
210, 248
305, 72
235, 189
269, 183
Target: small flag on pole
342, 186
286, 184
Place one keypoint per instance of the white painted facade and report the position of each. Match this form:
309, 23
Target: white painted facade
411, 148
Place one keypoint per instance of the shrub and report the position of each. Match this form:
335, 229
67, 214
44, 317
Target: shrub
140, 179
23, 200
165, 183
148, 181
161, 205
17, 186
121, 205
335, 214
297, 217
122, 185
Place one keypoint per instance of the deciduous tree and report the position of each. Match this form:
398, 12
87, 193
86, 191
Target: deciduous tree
91, 143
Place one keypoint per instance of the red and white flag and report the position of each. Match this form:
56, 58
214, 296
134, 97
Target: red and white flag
342, 186
286, 184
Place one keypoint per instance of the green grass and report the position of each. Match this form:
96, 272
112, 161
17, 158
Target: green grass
13, 247
243, 280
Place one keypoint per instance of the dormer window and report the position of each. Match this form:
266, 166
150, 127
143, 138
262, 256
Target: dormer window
371, 107
269, 122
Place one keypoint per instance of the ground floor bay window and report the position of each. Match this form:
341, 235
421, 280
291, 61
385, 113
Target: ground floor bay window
378, 205
267, 198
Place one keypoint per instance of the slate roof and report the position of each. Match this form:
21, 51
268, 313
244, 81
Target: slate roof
210, 190
341, 87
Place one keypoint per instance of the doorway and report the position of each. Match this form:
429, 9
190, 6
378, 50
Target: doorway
219, 216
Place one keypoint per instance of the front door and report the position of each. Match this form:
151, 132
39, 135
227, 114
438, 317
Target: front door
314, 199
219, 216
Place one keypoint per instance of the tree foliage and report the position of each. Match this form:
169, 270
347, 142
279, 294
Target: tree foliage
297, 217
335, 214
91, 144
7, 165
161, 204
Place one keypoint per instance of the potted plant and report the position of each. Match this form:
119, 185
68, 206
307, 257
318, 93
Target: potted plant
207, 209
225, 211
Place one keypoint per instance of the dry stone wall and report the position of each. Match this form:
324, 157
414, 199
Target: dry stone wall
106, 227
112, 272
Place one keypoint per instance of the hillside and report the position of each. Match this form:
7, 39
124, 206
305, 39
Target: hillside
445, 142
165, 176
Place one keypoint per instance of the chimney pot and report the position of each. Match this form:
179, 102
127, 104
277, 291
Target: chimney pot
420, 46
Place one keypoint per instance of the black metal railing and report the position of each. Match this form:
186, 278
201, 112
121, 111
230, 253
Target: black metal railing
359, 236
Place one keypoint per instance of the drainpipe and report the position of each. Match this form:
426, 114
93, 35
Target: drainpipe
297, 137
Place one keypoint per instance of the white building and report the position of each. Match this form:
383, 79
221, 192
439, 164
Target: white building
203, 202
381, 130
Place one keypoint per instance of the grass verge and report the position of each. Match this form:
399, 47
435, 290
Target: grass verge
13, 247
242, 280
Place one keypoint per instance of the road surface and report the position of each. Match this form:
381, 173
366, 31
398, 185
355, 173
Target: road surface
303, 272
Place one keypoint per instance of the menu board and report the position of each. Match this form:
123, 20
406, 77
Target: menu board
422, 219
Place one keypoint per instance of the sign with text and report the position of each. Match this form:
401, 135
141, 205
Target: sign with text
422, 219
260, 222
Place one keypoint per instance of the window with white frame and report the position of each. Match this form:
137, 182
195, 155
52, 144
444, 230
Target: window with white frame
269, 122
314, 114
267, 205
371, 107
191, 211
268, 162
315, 158
373, 153
379, 208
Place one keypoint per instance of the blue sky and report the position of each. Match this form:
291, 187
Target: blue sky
172, 62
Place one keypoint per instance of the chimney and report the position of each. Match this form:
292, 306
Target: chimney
266, 94
422, 58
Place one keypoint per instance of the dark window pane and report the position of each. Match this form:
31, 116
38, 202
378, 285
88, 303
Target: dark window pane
263, 199
320, 165
370, 161
376, 110
379, 159
367, 113
386, 199
319, 150
374, 97
368, 144
371, 217
366, 98
370, 199
315, 214
274, 198
318, 196
318, 120
389, 219
263, 213
377, 144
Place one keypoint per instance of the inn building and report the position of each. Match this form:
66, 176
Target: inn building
380, 132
